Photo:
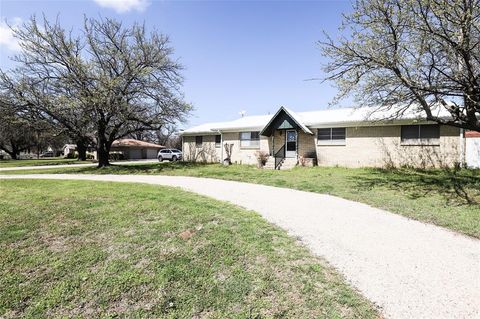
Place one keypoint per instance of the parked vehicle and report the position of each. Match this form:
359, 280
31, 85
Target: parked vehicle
47, 154
171, 154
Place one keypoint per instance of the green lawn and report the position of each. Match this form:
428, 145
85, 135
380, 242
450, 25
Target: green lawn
39, 162
446, 198
86, 249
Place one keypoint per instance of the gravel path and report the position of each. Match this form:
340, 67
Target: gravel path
24, 168
408, 268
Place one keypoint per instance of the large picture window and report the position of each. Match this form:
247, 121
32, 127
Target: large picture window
250, 139
331, 135
420, 132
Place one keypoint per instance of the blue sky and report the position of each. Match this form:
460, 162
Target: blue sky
251, 56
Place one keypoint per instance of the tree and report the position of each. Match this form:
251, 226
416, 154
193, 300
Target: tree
23, 130
16, 134
411, 54
121, 80
51, 105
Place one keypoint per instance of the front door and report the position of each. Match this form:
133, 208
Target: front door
291, 144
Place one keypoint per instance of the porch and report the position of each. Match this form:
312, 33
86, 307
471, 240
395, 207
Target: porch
287, 135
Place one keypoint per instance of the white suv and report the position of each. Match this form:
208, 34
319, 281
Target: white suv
171, 154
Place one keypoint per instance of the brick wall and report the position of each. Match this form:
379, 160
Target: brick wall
381, 146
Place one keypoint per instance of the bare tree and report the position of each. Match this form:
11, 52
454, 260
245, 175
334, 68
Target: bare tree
404, 54
121, 80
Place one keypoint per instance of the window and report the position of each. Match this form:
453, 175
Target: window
250, 139
198, 141
218, 140
333, 135
420, 132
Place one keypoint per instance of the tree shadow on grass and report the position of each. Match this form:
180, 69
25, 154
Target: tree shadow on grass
457, 186
147, 168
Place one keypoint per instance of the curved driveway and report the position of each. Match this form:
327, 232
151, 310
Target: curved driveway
408, 268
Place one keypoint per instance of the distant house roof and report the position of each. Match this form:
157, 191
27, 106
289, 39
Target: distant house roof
472, 134
132, 143
315, 119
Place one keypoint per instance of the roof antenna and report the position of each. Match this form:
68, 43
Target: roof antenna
242, 113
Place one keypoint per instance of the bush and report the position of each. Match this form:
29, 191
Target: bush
262, 158
72, 155
116, 156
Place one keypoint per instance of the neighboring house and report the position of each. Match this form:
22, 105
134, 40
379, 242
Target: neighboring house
129, 148
69, 149
135, 149
472, 149
344, 137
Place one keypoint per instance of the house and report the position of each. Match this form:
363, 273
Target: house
135, 149
123, 149
349, 137
69, 149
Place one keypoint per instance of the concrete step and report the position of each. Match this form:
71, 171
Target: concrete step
287, 163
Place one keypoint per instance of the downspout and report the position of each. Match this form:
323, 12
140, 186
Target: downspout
462, 147
221, 146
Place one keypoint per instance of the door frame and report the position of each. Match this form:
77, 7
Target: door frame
291, 154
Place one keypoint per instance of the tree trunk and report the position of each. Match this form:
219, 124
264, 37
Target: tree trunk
82, 150
103, 150
14, 152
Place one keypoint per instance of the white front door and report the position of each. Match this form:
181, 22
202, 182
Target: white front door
291, 144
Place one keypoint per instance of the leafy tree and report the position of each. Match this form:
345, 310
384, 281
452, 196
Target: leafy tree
117, 80
404, 54
24, 131
50, 104
16, 134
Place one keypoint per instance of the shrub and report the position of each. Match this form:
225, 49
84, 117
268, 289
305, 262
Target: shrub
72, 155
262, 158
115, 156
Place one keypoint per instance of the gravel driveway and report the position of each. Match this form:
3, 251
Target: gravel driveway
408, 268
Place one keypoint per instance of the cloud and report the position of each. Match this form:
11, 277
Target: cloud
6, 35
122, 6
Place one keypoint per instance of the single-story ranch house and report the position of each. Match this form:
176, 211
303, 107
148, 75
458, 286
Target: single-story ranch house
130, 149
350, 137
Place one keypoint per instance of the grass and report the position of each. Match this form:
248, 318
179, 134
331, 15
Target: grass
448, 198
39, 162
103, 250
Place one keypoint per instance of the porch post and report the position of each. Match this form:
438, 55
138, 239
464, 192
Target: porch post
273, 145
296, 144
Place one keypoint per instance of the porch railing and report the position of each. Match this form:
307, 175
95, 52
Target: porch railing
279, 156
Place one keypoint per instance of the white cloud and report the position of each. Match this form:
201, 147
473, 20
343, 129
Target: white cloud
6, 35
122, 6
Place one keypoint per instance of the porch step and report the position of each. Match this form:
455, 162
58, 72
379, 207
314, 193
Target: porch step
286, 163
289, 163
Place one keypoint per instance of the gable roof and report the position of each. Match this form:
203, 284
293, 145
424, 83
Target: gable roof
315, 119
292, 115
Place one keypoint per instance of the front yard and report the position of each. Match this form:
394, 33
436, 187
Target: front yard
85, 249
40, 162
448, 198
